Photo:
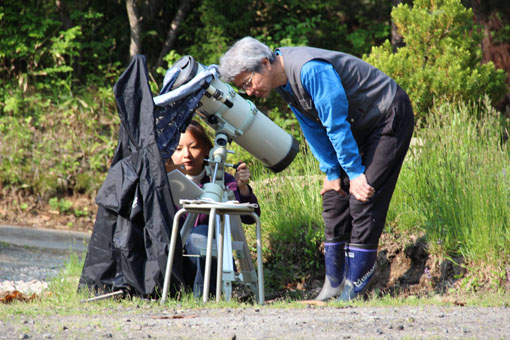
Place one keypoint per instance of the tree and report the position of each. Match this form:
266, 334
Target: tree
494, 18
149, 17
135, 28
441, 59
172, 31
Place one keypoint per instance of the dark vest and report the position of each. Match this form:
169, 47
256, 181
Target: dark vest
369, 91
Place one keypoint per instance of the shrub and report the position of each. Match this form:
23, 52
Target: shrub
58, 145
441, 60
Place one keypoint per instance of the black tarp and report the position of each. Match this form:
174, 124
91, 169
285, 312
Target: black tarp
128, 248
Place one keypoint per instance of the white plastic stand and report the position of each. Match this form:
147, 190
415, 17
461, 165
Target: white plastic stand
222, 211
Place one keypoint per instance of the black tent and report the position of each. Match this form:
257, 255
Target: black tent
129, 244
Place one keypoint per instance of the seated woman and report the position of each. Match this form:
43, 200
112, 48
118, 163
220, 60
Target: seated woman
193, 148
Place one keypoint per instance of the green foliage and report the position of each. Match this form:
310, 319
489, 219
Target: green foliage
24, 37
15, 140
61, 205
64, 206
441, 60
344, 26
209, 29
455, 183
209, 51
38, 51
56, 146
293, 32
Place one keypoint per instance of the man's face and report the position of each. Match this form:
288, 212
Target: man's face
258, 84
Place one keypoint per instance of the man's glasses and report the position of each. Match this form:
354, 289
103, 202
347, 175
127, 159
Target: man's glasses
246, 85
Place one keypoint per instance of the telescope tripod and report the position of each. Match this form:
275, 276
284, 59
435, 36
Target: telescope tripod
225, 222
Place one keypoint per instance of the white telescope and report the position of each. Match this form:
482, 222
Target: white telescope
226, 111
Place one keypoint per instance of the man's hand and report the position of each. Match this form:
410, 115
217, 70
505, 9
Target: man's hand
360, 188
332, 185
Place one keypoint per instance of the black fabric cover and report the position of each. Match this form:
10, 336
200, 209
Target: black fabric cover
128, 248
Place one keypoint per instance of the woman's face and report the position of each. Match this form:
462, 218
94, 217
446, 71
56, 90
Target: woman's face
190, 154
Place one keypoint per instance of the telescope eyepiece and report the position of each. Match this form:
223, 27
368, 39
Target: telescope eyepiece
221, 139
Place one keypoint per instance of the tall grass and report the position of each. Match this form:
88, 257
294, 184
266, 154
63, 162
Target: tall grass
291, 219
455, 184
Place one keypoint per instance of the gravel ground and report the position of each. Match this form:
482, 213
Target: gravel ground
29, 257
27, 269
270, 323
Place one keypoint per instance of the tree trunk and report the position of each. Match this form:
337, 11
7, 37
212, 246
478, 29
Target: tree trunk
493, 15
396, 39
67, 23
172, 32
135, 28
63, 14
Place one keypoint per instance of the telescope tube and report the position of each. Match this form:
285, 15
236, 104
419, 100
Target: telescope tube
225, 110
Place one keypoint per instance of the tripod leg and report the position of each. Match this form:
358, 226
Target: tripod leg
228, 260
219, 271
249, 275
171, 255
208, 256
187, 226
260, 269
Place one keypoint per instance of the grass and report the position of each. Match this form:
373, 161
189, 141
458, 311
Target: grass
455, 186
291, 220
61, 298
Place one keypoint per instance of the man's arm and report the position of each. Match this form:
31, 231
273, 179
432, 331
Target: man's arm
325, 88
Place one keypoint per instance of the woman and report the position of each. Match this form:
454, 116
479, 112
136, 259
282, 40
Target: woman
193, 149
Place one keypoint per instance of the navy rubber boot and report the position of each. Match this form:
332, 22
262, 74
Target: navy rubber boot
360, 267
334, 257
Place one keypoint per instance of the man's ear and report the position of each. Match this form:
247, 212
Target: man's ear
266, 63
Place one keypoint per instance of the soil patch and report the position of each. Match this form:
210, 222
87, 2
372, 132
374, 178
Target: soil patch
75, 213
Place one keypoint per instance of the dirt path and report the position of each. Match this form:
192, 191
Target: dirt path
316, 323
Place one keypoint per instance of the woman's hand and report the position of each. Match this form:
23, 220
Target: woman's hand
242, 178
170, 166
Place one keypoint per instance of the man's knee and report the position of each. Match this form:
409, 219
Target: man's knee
337, 219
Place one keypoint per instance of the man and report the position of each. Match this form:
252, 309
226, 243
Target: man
358, 123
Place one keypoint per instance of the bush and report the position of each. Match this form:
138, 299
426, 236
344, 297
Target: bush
441, 61
58, 145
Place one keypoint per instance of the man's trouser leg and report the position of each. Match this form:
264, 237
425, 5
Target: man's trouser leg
337, 222
383, 155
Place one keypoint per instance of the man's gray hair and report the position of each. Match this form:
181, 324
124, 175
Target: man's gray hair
245, 55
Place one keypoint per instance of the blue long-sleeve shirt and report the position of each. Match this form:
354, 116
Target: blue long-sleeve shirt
330, 141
